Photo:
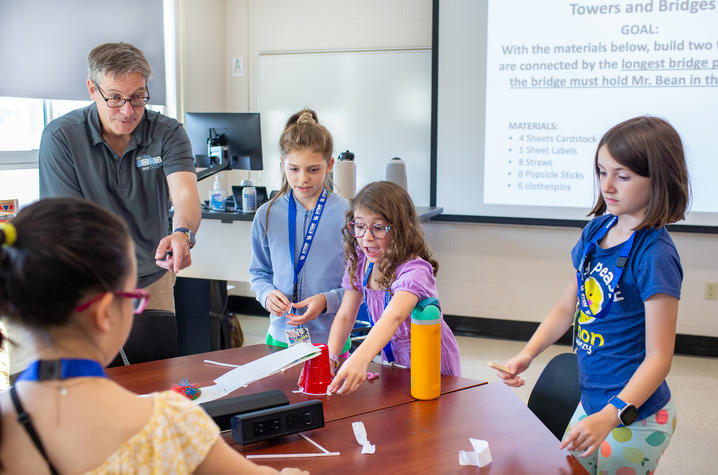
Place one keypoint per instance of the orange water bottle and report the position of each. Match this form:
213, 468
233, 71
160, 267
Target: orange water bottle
426, 349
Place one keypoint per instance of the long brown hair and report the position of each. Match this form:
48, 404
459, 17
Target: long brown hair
392, 203
303, 132
652, 148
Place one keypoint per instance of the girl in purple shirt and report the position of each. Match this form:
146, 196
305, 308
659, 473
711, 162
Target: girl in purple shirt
391, 269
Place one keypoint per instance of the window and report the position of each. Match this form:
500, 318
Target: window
21, 123
22, 119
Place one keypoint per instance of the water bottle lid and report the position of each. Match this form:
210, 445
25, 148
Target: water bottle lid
246, 183
346, 156
396, 158
426, 312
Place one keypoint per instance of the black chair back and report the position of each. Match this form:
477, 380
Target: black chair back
153, 337
556, 394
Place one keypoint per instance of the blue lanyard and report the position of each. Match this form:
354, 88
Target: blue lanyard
308, 238
44, 370
387, 297
583, 271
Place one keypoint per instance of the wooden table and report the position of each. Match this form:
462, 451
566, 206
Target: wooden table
426, 436
391, 389
410, 436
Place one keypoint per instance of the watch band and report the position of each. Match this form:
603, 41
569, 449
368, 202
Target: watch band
617, 403
627, 412
189, 234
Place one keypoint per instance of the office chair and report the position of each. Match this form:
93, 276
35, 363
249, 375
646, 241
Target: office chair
556, 393
153, 337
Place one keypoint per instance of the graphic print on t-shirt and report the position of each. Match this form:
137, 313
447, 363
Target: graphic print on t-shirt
594, 296
598, 284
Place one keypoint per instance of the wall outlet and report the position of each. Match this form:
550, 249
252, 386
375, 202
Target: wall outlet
711, 291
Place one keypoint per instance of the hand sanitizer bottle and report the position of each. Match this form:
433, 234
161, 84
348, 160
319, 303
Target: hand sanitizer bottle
217, 196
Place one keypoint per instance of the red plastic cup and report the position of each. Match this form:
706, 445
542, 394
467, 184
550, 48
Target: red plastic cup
316, 374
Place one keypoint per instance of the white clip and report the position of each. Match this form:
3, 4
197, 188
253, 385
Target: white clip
361, 437
480, 456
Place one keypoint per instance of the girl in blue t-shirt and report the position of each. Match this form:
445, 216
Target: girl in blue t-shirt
623, 302
297, 255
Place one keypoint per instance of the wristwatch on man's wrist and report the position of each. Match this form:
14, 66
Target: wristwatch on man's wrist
189, 233
627, 412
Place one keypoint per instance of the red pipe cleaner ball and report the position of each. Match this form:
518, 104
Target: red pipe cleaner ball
190, 391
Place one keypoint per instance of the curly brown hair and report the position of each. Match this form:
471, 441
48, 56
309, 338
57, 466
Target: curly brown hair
393, 203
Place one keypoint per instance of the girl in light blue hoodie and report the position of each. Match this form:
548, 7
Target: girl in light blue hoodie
297, 254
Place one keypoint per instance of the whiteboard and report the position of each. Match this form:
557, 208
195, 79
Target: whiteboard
377, 104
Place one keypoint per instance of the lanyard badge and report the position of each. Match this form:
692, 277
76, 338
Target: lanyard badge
584, 270
576, 316
299, 334
387, 297
65, 368
308, 237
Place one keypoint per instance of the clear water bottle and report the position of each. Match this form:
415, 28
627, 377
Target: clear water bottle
426, 349
249, 197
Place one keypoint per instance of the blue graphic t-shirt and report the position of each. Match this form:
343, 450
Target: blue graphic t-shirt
610, 349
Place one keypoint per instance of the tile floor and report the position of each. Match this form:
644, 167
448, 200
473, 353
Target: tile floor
693, 381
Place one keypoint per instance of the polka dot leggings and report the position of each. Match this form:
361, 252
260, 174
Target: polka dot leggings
631, 450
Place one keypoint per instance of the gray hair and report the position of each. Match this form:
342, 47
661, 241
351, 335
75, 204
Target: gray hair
118, 59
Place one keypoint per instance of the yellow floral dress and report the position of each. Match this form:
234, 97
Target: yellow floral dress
176, 439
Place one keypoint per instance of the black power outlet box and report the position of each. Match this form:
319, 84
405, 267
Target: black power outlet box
222, 410
278, 421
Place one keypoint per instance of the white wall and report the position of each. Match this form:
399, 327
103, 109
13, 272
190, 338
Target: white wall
486, 270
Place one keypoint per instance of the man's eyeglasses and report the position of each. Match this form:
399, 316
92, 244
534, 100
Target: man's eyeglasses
378, 231
115, 100
139, 300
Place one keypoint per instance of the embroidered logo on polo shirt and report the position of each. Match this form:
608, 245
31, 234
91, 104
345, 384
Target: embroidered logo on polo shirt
146, 162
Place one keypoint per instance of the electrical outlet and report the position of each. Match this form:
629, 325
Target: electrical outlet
277, 421
711, 291
222, 410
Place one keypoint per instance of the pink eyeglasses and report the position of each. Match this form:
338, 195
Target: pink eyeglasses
139, 300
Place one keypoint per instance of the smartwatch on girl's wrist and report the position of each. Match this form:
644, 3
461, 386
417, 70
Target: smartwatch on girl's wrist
627, 412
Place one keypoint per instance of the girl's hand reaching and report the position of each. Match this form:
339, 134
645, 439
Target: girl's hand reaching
315, 305
589, 433
350, 377
517, 364
335, 365
278, 303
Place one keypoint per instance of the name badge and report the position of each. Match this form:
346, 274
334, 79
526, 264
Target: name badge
146, 162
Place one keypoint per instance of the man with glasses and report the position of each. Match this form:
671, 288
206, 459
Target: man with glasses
130, 160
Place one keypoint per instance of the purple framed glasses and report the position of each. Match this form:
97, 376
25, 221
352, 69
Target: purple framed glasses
139, 300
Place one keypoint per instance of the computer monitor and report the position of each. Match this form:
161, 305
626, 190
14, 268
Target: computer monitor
242, 130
